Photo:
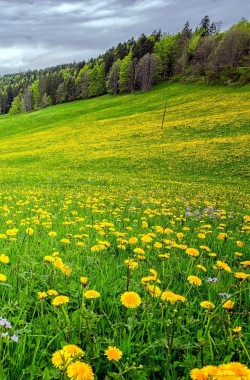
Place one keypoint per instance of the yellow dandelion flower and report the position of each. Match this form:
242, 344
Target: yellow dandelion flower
241, 275
12, 232
171, 297
223, 265
205, 248
130, 300
228, 305
192, 252
212, 254
168, 231
30, 231
91, 294
199, 266
245, 263
154, 291
133, 240
58, 263
157, 245
3, 236
3, 278
73, 350
60, 300
84, 280
238, 368
239, 243
49, 258
201, 236
52, 292
238, 254
197, 374
52, 233
80, 371
65, 269
131, 264
144, 224
207, 305
41, 295
140, 251
146, 239
222, 236
237, 330
60, 359
194, 280
4, 259
113, 353
65, 241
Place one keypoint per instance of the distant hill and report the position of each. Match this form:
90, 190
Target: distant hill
203, 141
205, 55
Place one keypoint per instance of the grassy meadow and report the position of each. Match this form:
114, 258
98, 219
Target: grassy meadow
125, 239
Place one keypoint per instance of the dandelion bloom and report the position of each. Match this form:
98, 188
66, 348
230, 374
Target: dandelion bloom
3, 278
41, 295
192, 252
241, 275
146, 239
80, 371
140, 251
228, 305
73, 350
199, 266
197, 374
130, 300
4, 259
222, 236
222, 265
131, 264
60, 300
65, 241
207, 305
49, 258
92, 294
83, 280
113, 353
30, 231
133, 240
60, 359
245, 263
65, 269
157, 245
194, 280
172, 297
153, 290
237, 330
58, 263
238, 368
52, 233
52, 292
239, 243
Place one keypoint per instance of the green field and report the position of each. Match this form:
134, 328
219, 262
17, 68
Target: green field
103, 189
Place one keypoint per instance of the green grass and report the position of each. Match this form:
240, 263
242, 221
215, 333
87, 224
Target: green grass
98, 173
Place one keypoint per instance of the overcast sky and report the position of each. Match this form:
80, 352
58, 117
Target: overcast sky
39, 33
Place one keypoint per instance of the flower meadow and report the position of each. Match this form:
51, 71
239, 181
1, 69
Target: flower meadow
124, 243
129, 285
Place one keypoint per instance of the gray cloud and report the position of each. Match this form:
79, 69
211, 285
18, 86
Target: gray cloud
40, 33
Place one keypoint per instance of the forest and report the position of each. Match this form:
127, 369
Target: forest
204, 55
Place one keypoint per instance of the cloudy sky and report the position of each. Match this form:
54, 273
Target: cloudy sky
39, 33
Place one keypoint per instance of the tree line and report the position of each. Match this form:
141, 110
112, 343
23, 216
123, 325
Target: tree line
203, 55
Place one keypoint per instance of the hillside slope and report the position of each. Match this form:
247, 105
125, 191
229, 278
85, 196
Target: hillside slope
204, 141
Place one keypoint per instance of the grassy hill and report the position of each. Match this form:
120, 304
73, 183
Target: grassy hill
125, 238
204, 141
